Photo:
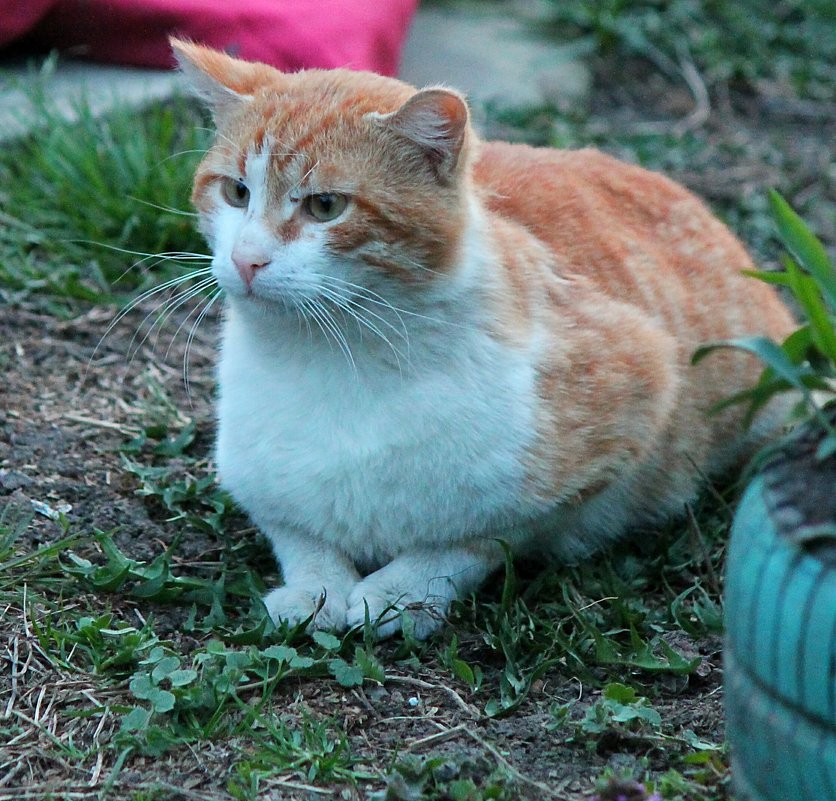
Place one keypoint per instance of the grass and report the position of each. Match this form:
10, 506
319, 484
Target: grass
135, 666
78, 195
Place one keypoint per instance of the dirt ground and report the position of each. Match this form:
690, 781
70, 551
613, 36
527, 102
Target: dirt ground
68, 402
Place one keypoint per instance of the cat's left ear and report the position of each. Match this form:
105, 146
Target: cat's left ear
436, 120
222, 81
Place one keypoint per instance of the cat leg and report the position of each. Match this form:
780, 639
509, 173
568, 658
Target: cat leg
317, 581
422, 582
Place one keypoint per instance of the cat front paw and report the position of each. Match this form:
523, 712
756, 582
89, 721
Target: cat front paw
387, 605
294, 604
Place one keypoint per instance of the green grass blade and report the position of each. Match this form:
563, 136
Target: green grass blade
769, 277
765, 349
801, 242
807, 293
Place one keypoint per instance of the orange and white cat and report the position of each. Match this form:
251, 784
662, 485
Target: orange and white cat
432, 343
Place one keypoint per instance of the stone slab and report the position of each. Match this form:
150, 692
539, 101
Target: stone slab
101, 87
494, 57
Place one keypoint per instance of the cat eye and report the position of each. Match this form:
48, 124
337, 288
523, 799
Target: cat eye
235, 192
326, 206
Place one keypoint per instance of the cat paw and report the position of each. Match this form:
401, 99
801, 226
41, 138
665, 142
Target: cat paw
294, 604
387, 605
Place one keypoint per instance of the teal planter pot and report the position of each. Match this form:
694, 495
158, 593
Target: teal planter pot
780, 655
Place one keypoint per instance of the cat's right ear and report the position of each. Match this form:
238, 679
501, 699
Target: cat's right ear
436, 120
222, 81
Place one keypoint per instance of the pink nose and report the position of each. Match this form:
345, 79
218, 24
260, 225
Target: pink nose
248, 263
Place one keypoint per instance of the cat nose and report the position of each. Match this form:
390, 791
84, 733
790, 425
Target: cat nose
248, 263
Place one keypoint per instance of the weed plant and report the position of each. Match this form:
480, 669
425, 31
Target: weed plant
805, 362
791, 43
90, 207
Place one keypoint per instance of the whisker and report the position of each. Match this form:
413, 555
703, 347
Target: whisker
168, 209
171, 307
402, 332
164, 311
303, 317
136, 301
373, 297
436, 320
206, 308
202, 151
219, 135
304, 304
352, 299
412, 262
326, 325
174, 255
302, 179
363, 293
339, 337
147, 265
363, 322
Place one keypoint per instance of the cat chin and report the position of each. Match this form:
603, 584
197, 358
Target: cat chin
265, 301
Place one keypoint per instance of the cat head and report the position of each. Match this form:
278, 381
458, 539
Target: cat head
321, 185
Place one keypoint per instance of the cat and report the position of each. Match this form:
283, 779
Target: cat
433, 344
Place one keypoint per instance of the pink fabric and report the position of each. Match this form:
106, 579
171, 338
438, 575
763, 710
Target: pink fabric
17, 18
289, 34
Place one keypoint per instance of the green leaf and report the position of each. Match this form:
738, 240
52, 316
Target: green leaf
827, 447
643, 655
769, 276
347, 675
509, 585
180, 678
156, 654
807, 293
136, 719
620, 692
162, 700
176, 445
370, 665
797, 344
248, 636
238, 660
283, 653
801, 242
328, 641
494, 708
164, 667
765, 349
624, 713
463, 671
698, 745
141, 686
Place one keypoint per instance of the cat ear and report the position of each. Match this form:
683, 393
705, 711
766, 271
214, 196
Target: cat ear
436, 120
222, 81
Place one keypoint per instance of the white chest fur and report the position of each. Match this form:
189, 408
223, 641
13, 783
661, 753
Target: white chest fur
371, 459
